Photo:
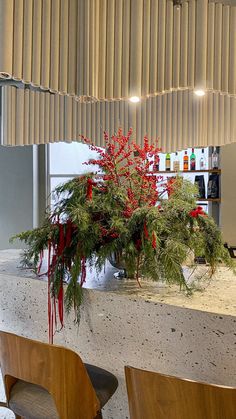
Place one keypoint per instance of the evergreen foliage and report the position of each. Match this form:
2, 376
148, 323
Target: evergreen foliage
123, 212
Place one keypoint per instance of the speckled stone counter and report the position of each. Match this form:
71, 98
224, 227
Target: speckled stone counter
156, 327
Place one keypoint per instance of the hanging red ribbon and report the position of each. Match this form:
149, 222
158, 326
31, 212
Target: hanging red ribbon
154, 240
145, 230
50, 311
90, 184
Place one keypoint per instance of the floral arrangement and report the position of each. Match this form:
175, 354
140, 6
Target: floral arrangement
121, 210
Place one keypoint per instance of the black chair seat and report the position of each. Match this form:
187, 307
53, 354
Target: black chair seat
104, 383
34, 402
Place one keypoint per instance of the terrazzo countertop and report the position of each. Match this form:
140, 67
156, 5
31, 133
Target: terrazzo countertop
155, 327
216, 294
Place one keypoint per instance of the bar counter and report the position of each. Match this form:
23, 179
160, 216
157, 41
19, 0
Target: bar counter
156, 327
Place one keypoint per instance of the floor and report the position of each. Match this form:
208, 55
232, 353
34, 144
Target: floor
153, 322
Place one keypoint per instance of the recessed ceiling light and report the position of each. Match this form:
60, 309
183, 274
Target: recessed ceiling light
134, 99
199, 92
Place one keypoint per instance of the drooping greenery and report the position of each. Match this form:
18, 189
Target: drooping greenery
124, 212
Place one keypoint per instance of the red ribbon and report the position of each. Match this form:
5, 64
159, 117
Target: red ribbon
145, 230
90, 184
154, 240
50, 311
196, 212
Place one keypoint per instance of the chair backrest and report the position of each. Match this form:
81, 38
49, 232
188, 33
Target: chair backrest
156, 396
57, 369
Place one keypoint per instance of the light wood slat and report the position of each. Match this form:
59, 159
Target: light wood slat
184, 46
176, 49
191, 42
61, 118
136, 47
154, 133
42, 118
57, 118
225, 50
118, 48
46, 137
210, 45
96, 48
98, 130
6, 119
126, 49
19, 117
102, 49
63, 50
46, 33
74, 120
180, 142
86, 47
31, 117
91, 48
169, 46
110, 48
175, 122
153, 46
55, 46
72, 47
227, 101
161, 46
68, 119
6, 36
18, 39
232, 52
146, 49
26, 116
27, 41
52, 118
201, 41
37, 43
218, 47
80, 54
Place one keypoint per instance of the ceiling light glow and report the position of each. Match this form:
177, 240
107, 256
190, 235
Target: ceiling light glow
199, 92
134, 99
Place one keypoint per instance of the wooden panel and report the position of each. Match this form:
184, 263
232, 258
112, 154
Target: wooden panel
155, 396
57, 369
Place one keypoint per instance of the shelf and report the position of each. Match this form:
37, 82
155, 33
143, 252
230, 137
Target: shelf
209, 200
186, 171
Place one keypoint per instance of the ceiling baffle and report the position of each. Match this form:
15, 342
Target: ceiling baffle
179, 119
113, 49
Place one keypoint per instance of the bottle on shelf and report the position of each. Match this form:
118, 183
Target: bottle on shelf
176, 163
215, 159
193, 160
202, 161
168, 162
185, 161
156, 163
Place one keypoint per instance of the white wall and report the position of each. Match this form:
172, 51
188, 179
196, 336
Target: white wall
228, 193
16, 192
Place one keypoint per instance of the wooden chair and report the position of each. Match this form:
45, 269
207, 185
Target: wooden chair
50, 382
156, 396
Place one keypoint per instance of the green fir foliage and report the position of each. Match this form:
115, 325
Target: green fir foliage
124, 213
